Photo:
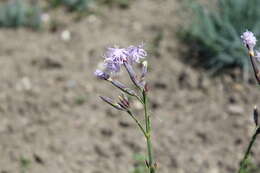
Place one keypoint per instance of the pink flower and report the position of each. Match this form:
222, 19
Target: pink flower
249, 39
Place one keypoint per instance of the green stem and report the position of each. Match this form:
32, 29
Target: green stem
148, 137
140, 100
252, 141
137, 122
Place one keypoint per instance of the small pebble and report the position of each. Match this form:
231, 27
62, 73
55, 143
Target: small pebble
45, 18
66, 35
235, 110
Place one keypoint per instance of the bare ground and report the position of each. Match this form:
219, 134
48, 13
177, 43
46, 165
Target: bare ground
52, 118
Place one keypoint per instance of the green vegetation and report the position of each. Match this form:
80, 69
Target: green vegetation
120, 3
72, 5
250, 168
140, 166
24, 164
80, 100
214, 33
18, 13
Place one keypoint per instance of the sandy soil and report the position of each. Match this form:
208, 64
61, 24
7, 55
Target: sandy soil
53, 121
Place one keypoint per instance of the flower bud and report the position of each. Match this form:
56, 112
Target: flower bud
123, 88
102, 75
124, 97
123, 101
256, 116
144, 69
131, 73
110, 102
146, 87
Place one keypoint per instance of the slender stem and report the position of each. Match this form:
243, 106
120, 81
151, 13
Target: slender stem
254, 65
148, 137
252, 141
140, 100
137, 122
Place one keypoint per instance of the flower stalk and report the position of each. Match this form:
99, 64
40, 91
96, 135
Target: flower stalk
248, 150
115, 59
243, 163
249, 41
148, 132
254, 62
138, 123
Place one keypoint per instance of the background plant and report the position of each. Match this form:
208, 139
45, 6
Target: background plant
18, 13
250, 167
72, 5
214, 33
120, 3
24, 164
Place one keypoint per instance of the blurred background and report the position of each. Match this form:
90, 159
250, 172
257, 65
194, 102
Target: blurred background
202, 88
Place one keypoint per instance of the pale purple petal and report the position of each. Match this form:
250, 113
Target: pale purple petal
111, 66
136, 53
114, 58
117, 55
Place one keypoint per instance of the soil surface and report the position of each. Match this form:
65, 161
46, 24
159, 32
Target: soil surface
53, 121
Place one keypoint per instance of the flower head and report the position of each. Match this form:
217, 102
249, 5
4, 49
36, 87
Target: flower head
249, 39
114, 58
136, 53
